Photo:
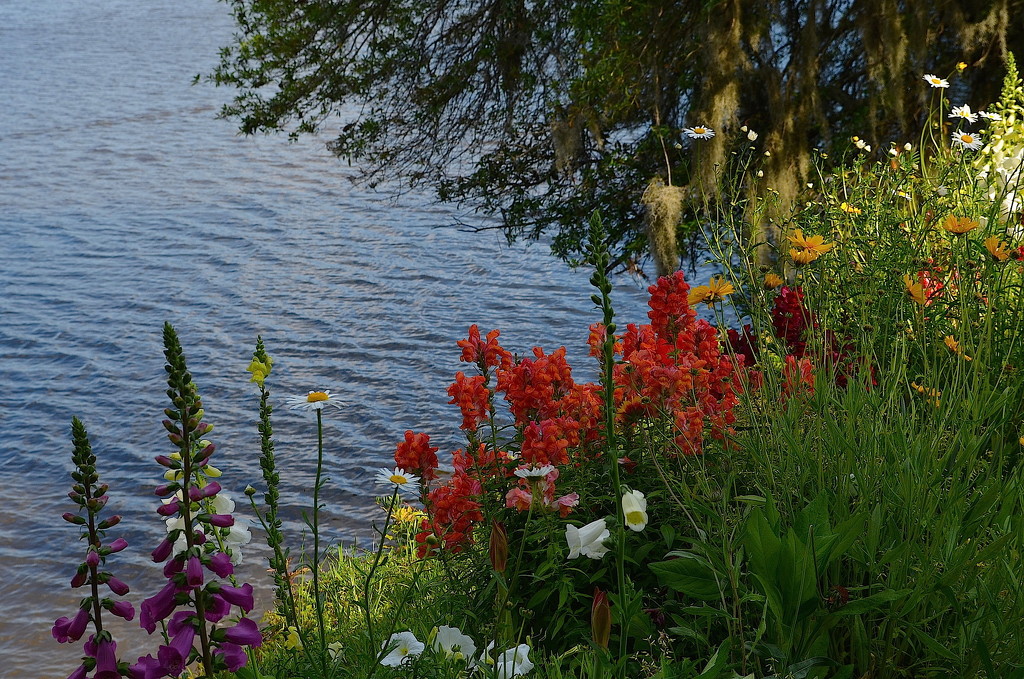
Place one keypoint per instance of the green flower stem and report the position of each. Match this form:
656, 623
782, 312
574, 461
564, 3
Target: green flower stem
315, 525
376, 562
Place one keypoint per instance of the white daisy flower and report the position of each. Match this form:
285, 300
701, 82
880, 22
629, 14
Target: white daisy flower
698, 132
936, 81
990, 116
967, 140
314, 400
534, 472
965, 113
398, 477
403, 645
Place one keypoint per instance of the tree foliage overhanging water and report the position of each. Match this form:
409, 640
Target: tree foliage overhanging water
540, 113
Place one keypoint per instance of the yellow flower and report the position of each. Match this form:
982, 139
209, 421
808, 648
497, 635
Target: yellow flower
997, 249
955, 347
961, 66
715, 291
915, 290
293, 641
772, 280
849, 209
959, 225
407, 514
259, 370
808, 248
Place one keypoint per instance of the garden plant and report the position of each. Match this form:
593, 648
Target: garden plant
807, 469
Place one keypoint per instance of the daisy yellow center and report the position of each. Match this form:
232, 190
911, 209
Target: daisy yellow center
935, 81
700, 130
315, 396
398, 479
967, 138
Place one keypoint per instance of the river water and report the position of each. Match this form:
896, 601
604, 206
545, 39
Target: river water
125, 203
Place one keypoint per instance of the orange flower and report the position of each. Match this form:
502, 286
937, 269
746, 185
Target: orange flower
932, 395
808, 248
955, 347
997, 249
772, 280
715, 291
959, 225
915, 290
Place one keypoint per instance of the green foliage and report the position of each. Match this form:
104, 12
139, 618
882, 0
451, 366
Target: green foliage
542, 113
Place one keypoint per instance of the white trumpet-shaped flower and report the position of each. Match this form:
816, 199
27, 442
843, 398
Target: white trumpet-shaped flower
403, 645
634, 509
588, 540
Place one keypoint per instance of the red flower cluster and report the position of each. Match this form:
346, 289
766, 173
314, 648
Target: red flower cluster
473, 399
451, 514
675, 367
484, 353
415, 454
672, 368
794, 324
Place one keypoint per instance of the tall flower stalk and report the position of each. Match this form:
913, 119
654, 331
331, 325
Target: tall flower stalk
190, 507
90, 495
260, 367
600, 259
316, 401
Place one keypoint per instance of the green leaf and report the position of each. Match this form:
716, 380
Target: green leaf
933, 645
689, 574
873, 602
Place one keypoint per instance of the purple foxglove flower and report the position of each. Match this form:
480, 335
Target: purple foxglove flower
117, 586
233, 655
174, 657
123, 609
168, 509
163, 550
146, 668
106, 661
66, 631
92, 559
166, 489
109, 522
179, 620
245, 633
158, 607
199, 538
220, 563
79, 673
165, 461
117, 545
216, 608
171, 662
81, 575
195, 493
173, 566
194, 572
238, 596
222, 520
